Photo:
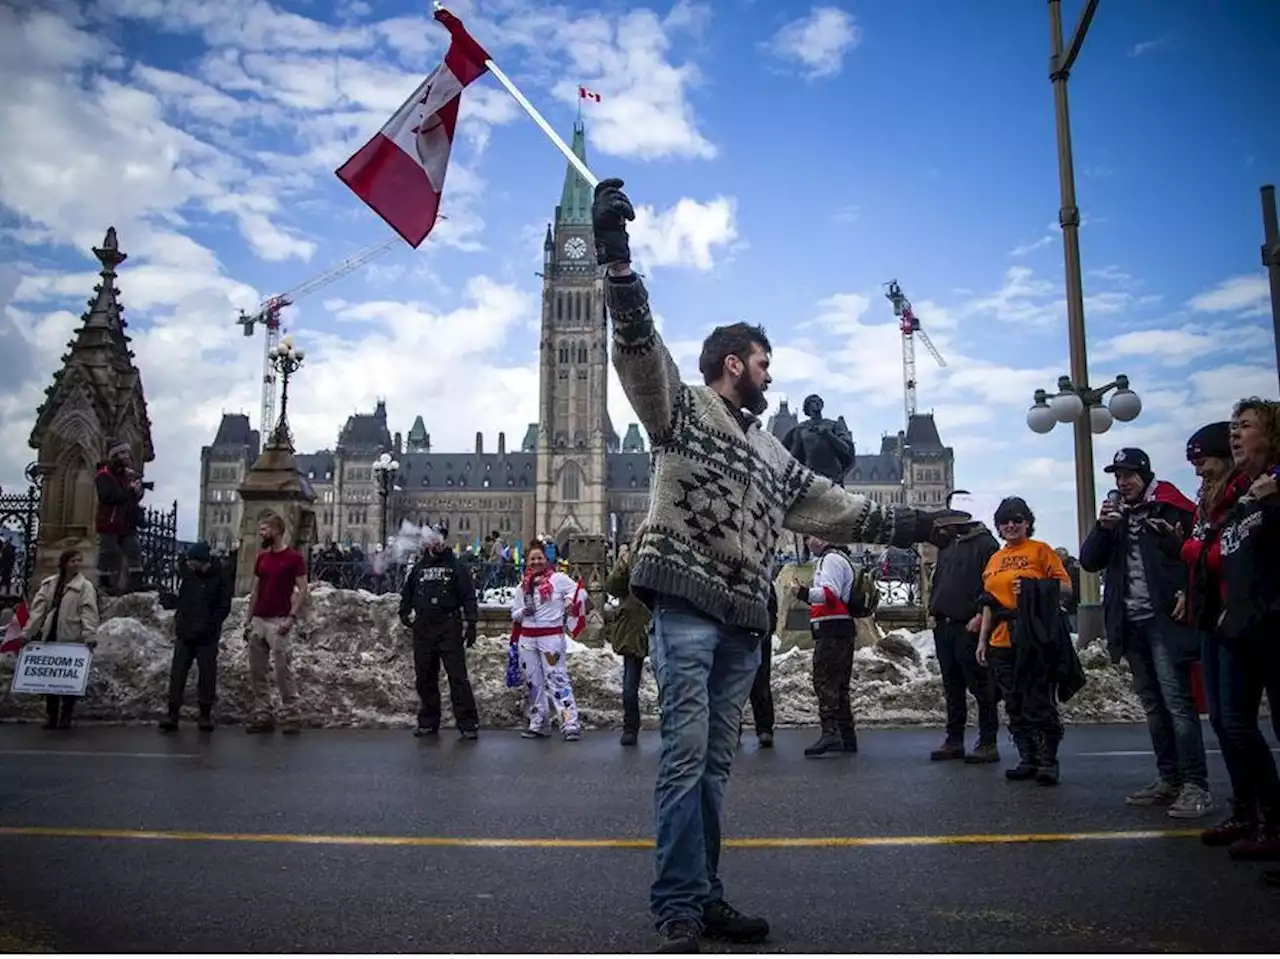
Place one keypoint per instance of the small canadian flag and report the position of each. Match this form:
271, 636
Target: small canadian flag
575, 620
585, 94
12, 641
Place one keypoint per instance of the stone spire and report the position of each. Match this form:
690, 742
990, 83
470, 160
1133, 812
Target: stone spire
96, 398
95, 402
575, 199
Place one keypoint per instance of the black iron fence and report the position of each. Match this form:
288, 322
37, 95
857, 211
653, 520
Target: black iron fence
158, 544
19, 533
371, 573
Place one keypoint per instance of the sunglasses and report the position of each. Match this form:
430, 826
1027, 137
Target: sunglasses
1011, 520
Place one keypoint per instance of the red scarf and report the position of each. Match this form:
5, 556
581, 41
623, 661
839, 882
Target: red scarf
541, 581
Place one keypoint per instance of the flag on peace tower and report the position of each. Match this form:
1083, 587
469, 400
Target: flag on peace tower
400, 172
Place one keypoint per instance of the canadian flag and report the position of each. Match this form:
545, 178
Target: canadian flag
12, 641
575, 617
585, 94
400, 172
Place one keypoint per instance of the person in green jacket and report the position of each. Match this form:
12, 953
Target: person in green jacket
629, 638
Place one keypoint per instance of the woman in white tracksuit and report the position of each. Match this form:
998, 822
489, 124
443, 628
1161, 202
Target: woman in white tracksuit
539, 608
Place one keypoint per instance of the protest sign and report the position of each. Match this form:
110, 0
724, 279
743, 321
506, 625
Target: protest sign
60, 669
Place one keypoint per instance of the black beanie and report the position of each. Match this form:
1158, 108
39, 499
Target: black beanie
1213, 440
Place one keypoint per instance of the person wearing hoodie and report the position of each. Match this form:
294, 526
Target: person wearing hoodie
833, 604
438, 603
954, 603
203, 604
1129, 543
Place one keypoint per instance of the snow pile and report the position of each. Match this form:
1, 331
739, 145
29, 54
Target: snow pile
354, 666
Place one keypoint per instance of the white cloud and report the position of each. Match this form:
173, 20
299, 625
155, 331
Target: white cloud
1146, 46
1248, 295
683, 235
1024, 249
818, 42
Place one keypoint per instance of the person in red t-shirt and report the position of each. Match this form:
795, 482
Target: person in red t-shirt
278, 594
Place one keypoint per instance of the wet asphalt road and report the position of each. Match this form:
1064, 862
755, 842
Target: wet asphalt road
206, 893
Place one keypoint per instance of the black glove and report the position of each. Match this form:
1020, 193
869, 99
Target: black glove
927, 532
802, 591
404, 621
470, 636
609, 213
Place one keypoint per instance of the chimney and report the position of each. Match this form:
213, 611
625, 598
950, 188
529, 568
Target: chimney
479, 442
397, 444
502, 444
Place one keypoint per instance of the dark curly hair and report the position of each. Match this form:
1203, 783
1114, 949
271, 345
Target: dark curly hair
1016, 506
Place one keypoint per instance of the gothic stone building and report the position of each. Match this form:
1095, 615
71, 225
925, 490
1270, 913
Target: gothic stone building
571, 472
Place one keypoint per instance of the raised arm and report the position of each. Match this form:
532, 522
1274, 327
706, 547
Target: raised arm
648, 374
819, 507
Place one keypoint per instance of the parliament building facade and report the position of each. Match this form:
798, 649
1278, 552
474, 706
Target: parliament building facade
571, 473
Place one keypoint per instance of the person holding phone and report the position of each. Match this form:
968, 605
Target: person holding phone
1146, 578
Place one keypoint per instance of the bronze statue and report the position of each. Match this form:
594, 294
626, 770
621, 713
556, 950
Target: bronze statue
824, 446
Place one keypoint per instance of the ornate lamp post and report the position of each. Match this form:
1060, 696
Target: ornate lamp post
385, 470
285, 359
1083, 408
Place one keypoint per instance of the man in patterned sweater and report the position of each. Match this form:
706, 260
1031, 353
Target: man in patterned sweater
723, 489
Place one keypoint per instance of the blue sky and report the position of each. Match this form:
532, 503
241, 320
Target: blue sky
789, 159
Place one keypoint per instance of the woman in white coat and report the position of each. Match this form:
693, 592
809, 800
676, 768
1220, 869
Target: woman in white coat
64, 610
538, 609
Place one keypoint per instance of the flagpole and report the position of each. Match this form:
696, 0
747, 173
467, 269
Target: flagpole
537, 117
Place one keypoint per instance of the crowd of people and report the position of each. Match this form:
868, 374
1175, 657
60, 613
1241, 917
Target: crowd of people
1191, 587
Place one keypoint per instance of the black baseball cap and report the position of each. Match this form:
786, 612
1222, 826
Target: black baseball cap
1132, 459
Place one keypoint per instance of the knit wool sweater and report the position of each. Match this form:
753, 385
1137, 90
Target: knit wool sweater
719, 495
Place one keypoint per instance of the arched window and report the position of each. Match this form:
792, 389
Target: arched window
559, 306
571, 483
582, 353
564, 354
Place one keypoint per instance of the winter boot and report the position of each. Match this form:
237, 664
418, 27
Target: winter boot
679, 935
765, 739
1047, 763
721, 921
205, 723
1027, 766
1264, 844
260, 726
426, 731
950, 749
828, 742
1241, 824
984, 752
170, 722
848, 738
629, 737
470, 733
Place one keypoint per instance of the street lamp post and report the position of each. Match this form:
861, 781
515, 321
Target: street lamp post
385, 470
1271, 260
1060, 62
285, 359
1083, 408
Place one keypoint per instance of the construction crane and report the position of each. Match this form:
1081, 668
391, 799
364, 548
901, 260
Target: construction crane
268, 314
910, 330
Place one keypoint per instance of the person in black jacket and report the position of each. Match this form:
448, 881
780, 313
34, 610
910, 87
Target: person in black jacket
954, 603
119, 491
1248, 633
203, 603
762, 688
1144, 577
438, 602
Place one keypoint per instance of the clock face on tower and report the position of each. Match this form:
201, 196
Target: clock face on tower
575, 248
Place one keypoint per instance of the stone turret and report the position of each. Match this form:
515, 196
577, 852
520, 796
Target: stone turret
95, 401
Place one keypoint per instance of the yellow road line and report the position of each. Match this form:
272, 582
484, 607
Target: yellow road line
461, 842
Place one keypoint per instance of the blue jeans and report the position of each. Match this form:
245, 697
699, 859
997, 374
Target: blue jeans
1162, 680
1238, 682
704, 671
